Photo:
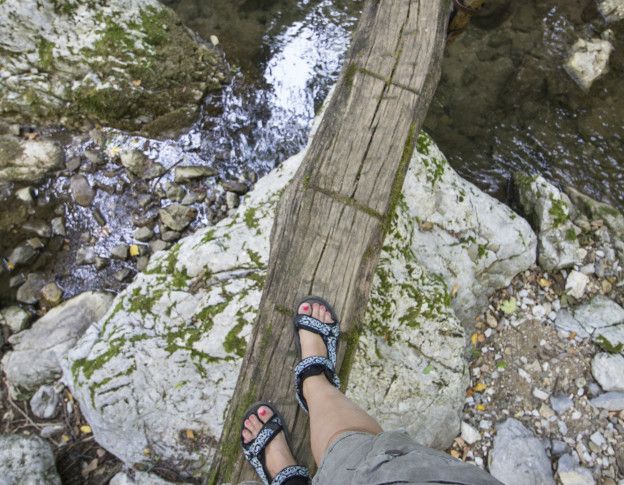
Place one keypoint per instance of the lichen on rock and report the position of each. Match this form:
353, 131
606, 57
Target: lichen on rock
126, 64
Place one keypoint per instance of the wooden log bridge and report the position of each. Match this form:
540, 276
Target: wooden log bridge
332, 219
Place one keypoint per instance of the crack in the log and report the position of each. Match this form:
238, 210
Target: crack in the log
350, 201
397, 55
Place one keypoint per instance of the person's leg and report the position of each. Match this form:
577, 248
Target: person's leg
331, 413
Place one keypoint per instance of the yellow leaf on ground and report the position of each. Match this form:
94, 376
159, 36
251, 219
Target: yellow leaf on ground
480, 407
65, 438
11, 266
480, 387
189, 434
85, 429
147, 452
474, 338
136, 82
134, 250
544, 283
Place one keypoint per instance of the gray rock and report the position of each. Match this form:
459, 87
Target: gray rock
560, 403
158, 245
72, 164
52, 430
186, 174
27, 160
550, 212
34, 360
25, 195
27, 460
29, 292
15, 318
576, 284
39, 228
232, 200
571, 473
239, 188
175, 192
170, 236
141, 263
588, 61
469, 434
138, 164
100, 263
189, 199
58, 226
17, 280
518, 457
611, 401
558, 447
85, 256
45, 402
22, 255
81, 190
135, 477
608, 370
51, 294
120, 251
122, 274
611, 10
177, 217
35, 243
143, 234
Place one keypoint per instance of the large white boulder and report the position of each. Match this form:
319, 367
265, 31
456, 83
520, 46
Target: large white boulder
166, 357
123, 63
28, 160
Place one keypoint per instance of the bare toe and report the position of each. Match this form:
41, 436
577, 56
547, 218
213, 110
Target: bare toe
316, 311
247, 436
255, 423
305, 309
265, 414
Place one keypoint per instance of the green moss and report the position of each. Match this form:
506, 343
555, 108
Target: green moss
435, 169
570, 235
154, 23
143, 303
349, 74
559, 211
46, 56
234, 344
256, 259
482, 250
607, 346
250, 218
424, 143
351, 341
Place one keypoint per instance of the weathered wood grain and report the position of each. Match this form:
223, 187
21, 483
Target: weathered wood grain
332, 219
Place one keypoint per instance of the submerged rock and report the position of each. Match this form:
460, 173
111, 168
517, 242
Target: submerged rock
550, 213
15, 318
27, 460
121, 63
611, 10
588, 61
518, 457
36, 354
166, 357
140, 165
81, 190
26, 160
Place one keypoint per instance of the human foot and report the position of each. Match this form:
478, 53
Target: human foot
277, 455
312, 343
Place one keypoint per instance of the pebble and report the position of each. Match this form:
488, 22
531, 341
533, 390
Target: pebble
45, 402
120, 251
15, 318
598, 439
22, 255
85, 256
143, 234
25, 195
58, 226
51, 294
469, 434
122, 274
539, 394
576, 284
81, 190
239, 188
170, 236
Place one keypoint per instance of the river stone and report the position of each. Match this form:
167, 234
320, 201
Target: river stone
611, 10
51, 294
588, 61
40, 228
518, 457
121, 63
166, 357
81, 190
15, 318
26, 160
239, 188
549, 211
22, 255
27, 460
138, 164
608, 370
186, 174
36, 353
475, 251
143, 234
30, 291
45, 402
177, 216
571, 473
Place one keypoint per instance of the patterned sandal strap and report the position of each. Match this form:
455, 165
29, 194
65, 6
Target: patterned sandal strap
328, 332
313, 366
290, 472
254, 449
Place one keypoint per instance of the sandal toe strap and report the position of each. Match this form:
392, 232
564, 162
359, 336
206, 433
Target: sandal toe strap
313, 366
328, 332
290, 472
254, 449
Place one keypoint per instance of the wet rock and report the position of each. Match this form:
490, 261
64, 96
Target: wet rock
170, 236
187, 174
27, 460
81, 190
239, 188
95, 157
138, 164
571, 473
36, 353
588, 61
611, 401
158, 245
611, 10
72, 164
122, 274
232, 200
576, 284
22, 255
189, 199
25, 195
45, 402
143, 234
100, 263
39, 228
177, 217
35, 243
17, 280
58, 226
550, 213
85, 256
55, 56
144, 200
141, 263
15, 318
608, 370
518, 457
27, 160
175, 192
120, 251
30, 290
51, 294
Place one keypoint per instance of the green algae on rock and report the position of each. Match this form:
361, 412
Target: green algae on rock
130, 65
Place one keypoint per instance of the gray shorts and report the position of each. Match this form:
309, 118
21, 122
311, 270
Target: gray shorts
393, 457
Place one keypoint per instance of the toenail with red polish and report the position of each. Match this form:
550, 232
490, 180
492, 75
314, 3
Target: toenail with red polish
262, 412
305, 308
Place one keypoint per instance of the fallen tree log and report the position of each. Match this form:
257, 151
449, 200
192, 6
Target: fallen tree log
332, 219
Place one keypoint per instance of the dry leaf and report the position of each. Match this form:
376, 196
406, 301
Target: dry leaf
454, 290
85, 429
189, 434
480, 387
134, 250
426, 226
455, 454
544, 283
136, 82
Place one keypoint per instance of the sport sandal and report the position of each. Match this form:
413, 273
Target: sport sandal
316, 365
254, 450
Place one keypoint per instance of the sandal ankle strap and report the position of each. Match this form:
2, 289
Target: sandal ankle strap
313, 366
